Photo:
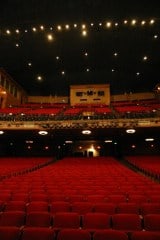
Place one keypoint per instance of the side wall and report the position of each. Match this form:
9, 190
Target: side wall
10, 92
113, 98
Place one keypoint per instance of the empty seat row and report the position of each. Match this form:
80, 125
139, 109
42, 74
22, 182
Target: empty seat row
81, 207
112, 198
90, 221
149, 165
14, 233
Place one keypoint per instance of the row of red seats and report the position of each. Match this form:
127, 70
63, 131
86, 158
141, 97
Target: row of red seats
83, 191
82, 175
124, 109
121, 173
14, 233
19, 110
149, 165
79, 110
12, 165
66, 109
90, 221
81, 207
106, 198
135, 102
41, 105
95, 179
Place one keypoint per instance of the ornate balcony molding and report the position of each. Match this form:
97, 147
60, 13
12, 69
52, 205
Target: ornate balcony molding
78, 124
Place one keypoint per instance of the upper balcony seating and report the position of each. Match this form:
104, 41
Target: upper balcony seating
63, 111
125, 109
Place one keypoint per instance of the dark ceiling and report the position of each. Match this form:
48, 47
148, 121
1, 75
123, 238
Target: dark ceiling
101, 134
19, 142
124, 54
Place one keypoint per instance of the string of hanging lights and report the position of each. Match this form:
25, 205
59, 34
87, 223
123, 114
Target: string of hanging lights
84, 28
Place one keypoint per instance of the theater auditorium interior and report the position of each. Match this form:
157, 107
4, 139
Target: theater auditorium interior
79, 120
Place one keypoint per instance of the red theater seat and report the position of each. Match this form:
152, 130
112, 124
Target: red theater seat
126, 222
108, 208
110, 235
20, 197
12, 218
82, 207
9, 233
37, 206
38, 219
150, 208
66, 220
2, 205
144, 235
38, 197
116, 198
94, 221
155, 198
76, 198
73, 234
15, 206
59, 207
152, 222
5, 197
57, 197
128, 208
138, 198
96, 198
39, 233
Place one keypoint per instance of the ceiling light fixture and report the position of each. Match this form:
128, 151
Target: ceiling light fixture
86, 132
131, 130
108, 24
67, 26
42, 27
133, 22
39, 78
59, 27
17, 31
152, 21
108, 141
149, 139
50, 37
8, 31
34, 29
68, 141
43, 133
143, 22
145, 58
84, 33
